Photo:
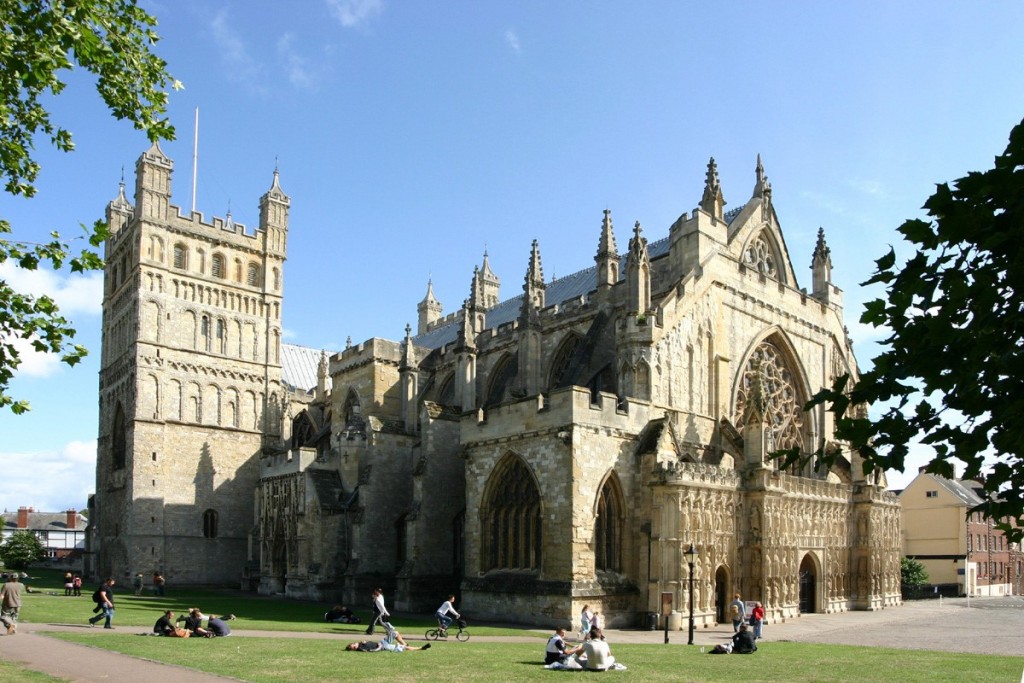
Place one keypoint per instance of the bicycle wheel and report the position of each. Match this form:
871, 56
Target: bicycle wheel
431, 634
462, 635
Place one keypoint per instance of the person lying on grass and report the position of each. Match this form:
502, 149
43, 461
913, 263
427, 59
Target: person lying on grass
394, 642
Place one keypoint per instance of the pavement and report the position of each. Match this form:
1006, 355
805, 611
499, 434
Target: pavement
985, 626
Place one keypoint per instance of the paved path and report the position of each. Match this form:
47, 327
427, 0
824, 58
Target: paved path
988, 626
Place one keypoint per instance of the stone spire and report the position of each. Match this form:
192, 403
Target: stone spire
322, 377
119, 211
821, 267
533, 287
759, 184
410, 382
638, 273
713, 202
490, 284
153, 184
607, 255
429, 310
274, 208
528, 377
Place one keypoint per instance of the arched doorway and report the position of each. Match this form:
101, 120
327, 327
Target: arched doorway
808, 584
721, 595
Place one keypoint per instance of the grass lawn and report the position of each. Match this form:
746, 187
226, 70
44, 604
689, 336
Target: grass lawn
13, 673
50, 605
309, 660
266, 659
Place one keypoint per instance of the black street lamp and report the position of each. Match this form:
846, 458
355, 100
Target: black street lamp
690, 553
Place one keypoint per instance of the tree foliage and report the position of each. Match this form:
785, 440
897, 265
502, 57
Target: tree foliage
40, 40
912, 573
951, 375
21, 549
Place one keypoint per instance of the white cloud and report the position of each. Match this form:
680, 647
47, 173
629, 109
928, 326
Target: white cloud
49, 481
512, 38
74, 293
872, 188
299, 73
239, 64
352, 13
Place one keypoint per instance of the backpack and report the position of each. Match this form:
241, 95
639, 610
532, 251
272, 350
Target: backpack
97, 597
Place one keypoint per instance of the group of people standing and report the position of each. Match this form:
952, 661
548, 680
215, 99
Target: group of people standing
72, 584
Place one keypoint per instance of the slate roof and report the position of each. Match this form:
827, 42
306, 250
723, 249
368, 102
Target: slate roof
961, 489
558, 291
299, 366
44, 521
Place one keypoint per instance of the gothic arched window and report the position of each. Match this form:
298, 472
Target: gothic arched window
210, 523
769, 384
559, 376
500, 380
608, 528
119, 439
760, 255
252, 277
511, 518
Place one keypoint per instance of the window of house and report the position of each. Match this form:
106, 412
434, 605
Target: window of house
931, 494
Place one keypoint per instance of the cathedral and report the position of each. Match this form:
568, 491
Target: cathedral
603, 438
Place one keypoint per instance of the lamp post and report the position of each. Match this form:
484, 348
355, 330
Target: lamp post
690, 553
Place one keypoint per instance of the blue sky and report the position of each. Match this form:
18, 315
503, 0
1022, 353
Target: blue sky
412, 136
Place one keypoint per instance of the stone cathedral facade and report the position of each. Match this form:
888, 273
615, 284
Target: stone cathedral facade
559, 447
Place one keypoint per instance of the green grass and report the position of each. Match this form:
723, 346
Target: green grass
13, 673
266, 659
310, 660
50, 605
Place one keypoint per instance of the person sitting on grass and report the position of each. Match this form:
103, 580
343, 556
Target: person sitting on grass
598, 654
217, 626
164, 626
341, 614
194, 623
743, 642
557, 650
394, 642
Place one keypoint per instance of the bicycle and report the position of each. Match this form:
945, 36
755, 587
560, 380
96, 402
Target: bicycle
439, 633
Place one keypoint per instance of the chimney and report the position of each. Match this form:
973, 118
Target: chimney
23, 517
72, 518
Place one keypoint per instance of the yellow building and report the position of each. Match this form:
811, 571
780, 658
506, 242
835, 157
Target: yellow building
953, 544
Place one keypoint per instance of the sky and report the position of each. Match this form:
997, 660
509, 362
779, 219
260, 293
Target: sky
414, 137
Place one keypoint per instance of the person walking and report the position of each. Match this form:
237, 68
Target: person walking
137, 583
736, 610
10, 603
380, 612
104, 597
757, 619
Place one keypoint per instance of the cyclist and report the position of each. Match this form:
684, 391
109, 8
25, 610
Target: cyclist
446, 608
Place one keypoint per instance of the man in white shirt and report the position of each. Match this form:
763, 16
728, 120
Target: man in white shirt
599, 655
446, 608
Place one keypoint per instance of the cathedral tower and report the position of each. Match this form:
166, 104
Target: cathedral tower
189, 380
